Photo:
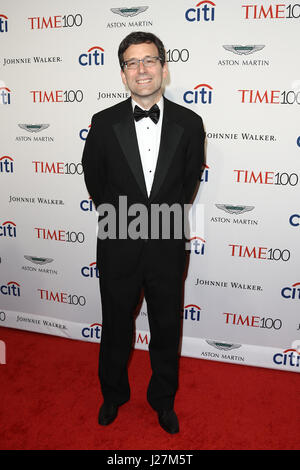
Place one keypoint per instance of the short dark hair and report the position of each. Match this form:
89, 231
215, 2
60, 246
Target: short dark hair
140, 37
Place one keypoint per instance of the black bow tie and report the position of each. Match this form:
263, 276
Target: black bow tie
153, 113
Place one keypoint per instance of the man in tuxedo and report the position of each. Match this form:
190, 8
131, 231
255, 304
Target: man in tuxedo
147, 151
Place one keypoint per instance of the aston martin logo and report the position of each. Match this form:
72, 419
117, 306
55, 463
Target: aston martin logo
36, 260
234, 209
33, 127
243, 50
132, 11
223, 346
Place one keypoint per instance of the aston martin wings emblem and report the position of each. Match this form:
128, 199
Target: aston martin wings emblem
223, 346
132, 11
243, 50
234, 209
33, 127
36, 260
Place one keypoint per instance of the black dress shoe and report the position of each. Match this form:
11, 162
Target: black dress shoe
107, 414
168, 421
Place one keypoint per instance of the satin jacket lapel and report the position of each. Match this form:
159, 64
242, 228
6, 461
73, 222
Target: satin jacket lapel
171, 134
126, 134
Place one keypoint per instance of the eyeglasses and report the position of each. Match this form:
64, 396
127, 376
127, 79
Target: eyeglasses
133, 64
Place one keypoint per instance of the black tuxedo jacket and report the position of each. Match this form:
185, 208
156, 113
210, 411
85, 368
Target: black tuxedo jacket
112, 168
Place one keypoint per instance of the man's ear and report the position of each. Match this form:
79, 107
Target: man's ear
165, 70
123, 78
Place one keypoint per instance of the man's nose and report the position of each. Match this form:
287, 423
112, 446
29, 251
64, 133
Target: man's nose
141, 67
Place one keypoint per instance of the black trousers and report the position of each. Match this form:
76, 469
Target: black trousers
163, 291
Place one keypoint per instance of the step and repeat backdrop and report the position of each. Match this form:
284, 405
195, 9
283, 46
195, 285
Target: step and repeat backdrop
233, 62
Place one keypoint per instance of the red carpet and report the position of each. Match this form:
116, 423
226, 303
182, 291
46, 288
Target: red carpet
50, 399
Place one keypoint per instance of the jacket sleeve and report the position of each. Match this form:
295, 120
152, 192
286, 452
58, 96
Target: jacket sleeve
194, 159
93, 163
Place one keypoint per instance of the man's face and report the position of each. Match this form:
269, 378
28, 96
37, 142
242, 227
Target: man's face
144, 82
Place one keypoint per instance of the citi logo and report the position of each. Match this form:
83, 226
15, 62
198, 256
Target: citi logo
90, 271
289, 357
204, 176
87, 205
8, 229
204, 11
295, 220
83, 133
92, 331
12, 288
3, 24
292, 292
94, 56
191, 312
6, 164
197, 245
201, 93
4, 95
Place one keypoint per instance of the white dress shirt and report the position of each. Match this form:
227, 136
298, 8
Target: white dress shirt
148, 137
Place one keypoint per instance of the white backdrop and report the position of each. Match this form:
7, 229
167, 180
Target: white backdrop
233, 62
